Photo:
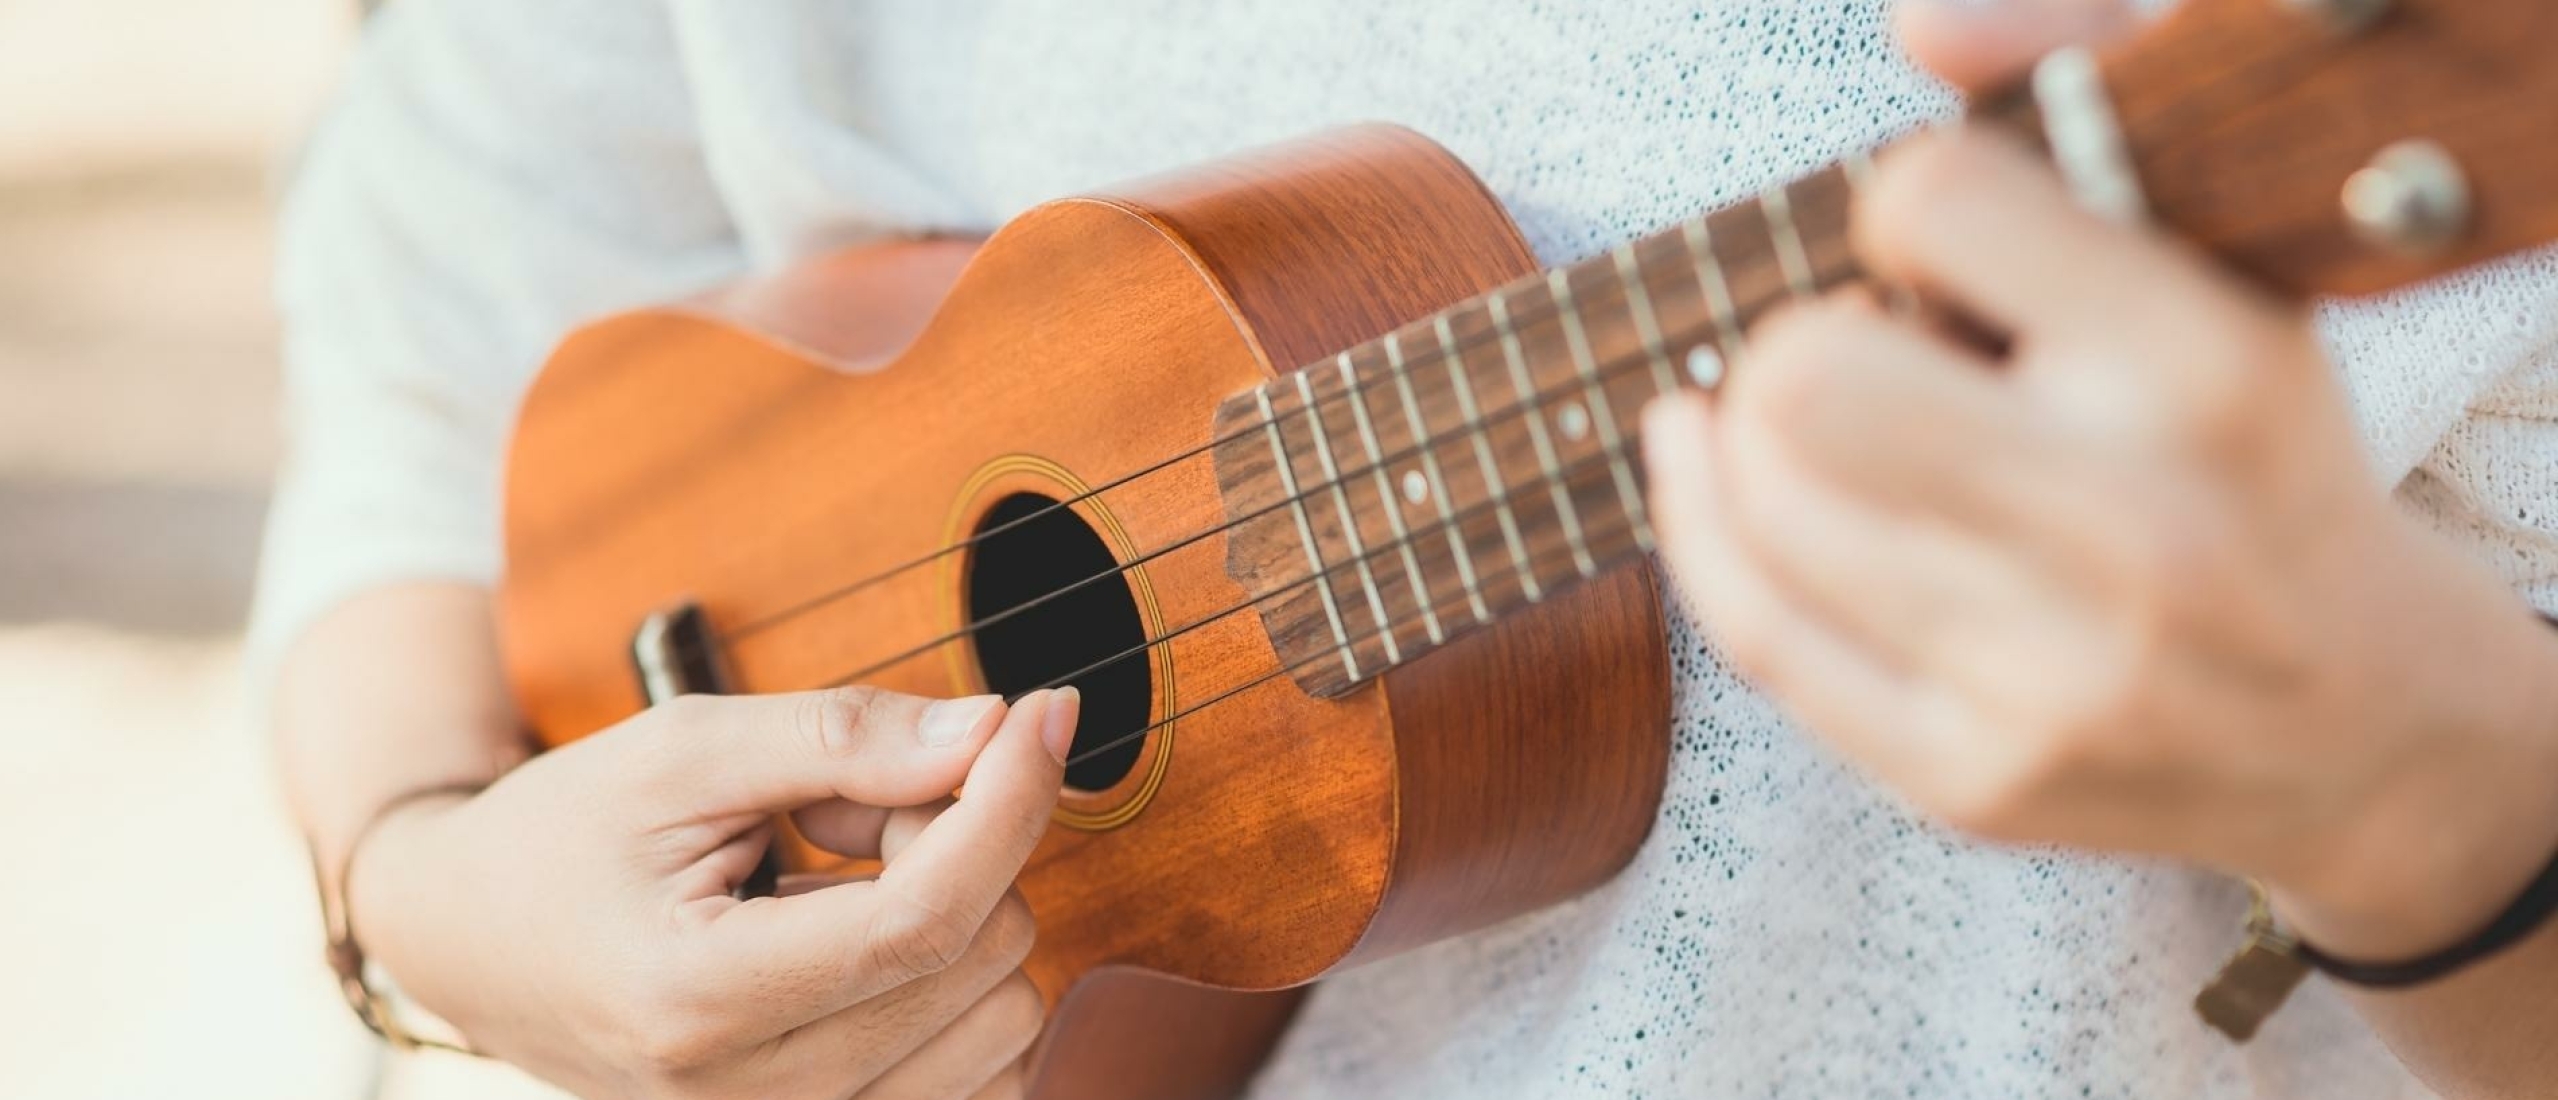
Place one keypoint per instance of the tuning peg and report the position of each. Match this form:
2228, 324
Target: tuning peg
2412, 198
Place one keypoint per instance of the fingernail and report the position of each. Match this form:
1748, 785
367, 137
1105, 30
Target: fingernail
950, 721
1057, 726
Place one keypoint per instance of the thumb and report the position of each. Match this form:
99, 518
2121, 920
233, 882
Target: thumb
1982, 45
710, 757
852, 941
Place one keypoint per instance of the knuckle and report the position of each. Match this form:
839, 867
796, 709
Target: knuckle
2220, 403
2077, 734
671, 1024
671, 1049
1020, 1012
1994, 802
1796, 357
1011, 930
1910, 181
2216, 413
837, 720
913, 941
2174, 553
1749, 639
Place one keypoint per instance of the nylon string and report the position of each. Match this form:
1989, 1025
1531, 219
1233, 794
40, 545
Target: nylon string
1538, 314
1604, 373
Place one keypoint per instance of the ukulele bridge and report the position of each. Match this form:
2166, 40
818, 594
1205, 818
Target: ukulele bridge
675, 655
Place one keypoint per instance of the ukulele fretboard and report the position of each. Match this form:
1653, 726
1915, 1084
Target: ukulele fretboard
1485, 458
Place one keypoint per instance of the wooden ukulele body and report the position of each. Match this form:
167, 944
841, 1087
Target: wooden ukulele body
760, 447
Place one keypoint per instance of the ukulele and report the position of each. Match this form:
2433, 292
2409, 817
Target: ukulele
1327, 499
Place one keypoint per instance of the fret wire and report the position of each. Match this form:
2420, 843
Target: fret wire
1452, 524
1647, 324
1349, 519
1694, 230
1716, 288
1425, 440
1529, 399
1715, 285
1614, 368
1492, 478
1306, 532
1777, 207
1577, 339
1221, 696
1387, 499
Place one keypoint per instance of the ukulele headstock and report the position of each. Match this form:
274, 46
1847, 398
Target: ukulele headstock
2341, 146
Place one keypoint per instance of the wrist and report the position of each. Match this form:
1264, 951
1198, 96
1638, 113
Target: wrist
391, 889
2444, 847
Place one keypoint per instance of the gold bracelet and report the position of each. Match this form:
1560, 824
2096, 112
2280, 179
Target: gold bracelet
346, 956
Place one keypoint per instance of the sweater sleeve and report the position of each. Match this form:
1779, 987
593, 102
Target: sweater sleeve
491, 174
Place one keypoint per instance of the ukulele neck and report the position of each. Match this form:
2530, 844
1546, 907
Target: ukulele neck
1481, 460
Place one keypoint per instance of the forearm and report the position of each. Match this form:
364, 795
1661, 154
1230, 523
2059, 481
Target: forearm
396, 689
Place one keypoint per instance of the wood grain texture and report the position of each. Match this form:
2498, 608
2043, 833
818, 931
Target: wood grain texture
1518, 411
1492, 821
2245, 118
757, 447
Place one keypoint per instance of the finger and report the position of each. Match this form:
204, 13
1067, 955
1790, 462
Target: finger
977, 1048
1012, 1084
791, 886
719, 871
1972, 218
1895, 415
713, 757
860, 1041
1903, 588
1889, 725
841, 826
968, 855
856, 831
839, 946
1981, 47
907, 823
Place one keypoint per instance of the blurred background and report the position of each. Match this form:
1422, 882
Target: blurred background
157, 934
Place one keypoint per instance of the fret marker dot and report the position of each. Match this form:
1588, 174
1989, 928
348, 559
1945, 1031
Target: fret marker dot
1575, 422
1705, 366
1416, 488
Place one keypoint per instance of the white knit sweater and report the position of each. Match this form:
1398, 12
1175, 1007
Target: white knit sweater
498, 170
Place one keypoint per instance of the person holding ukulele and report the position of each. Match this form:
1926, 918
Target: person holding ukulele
1992, 639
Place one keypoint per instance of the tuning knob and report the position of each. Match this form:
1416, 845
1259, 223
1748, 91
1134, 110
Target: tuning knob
2413, 198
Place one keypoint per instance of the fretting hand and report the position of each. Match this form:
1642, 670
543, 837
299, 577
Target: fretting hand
2127, 585
576, 918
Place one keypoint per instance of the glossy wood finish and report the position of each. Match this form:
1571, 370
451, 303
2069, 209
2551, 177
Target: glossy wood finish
1515, 748
756, 448
1517, 413
2246, 117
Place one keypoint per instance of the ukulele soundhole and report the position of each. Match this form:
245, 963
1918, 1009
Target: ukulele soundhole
1064, 625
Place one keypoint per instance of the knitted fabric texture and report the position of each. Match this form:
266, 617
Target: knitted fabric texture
496, 171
